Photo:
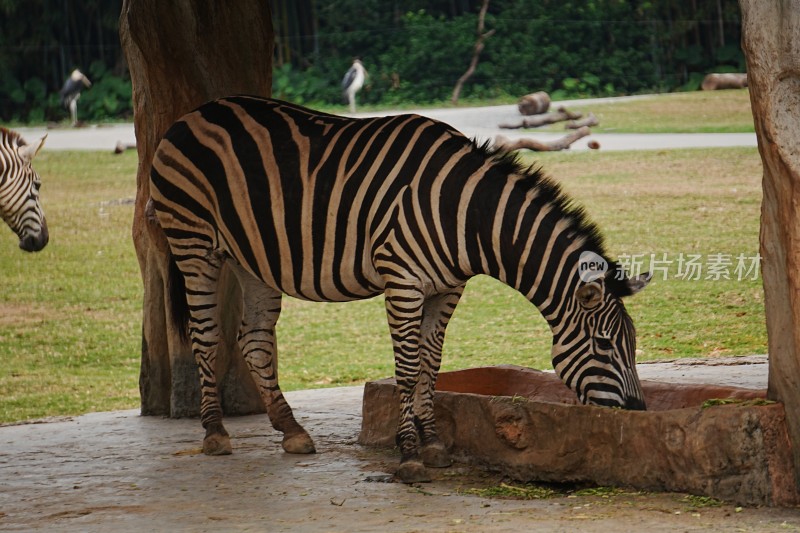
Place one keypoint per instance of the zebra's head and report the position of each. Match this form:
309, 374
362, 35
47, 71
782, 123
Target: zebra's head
594, 353
19, 191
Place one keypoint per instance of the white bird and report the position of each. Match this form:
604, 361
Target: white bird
71, 92
352, 83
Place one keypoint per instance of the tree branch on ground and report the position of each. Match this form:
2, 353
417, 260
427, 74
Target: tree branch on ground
535, 121
504, 144
588, 120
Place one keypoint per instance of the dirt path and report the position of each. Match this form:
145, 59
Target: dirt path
125, 472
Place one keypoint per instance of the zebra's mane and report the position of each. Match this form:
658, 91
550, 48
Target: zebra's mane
12, 136
552, 193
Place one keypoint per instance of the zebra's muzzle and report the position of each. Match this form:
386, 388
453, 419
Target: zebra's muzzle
34, 243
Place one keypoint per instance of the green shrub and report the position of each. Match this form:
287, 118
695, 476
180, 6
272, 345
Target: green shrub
108, 98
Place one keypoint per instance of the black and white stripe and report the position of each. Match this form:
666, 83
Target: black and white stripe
328, 208
19, 191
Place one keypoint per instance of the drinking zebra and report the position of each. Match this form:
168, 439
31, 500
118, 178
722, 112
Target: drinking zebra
19, 190
327, 208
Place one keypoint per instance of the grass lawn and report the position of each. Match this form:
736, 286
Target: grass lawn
70, 316
690, 112
685, 112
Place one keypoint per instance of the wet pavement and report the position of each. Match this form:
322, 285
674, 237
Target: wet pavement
123, 472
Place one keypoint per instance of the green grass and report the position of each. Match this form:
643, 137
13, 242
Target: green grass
544, 491
686, 112
508, 491
704, 202
690, 112
70, 316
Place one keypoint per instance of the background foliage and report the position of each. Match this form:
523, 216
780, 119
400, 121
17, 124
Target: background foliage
42, 41
568, 48
414, 50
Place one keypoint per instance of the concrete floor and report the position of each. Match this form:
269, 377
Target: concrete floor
119, 471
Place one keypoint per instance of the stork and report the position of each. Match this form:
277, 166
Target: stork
352, 83
71, 91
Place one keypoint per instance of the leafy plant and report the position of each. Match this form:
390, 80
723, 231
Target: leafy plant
700, 502
528, 491
109, 96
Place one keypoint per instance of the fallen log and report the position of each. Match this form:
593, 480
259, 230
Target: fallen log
504, 144
588, 120
545, 118
728, 80
121, 147
534, 103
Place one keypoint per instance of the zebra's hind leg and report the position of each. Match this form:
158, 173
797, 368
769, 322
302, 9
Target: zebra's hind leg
436, 315
262, 307
201, 276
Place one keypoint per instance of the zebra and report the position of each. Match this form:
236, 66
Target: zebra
328, 208
19, 190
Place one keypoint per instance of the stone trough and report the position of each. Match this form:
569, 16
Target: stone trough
724, 442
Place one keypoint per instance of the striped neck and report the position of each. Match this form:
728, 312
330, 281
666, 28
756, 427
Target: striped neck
531, 238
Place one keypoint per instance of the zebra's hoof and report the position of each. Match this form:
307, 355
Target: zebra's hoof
217, 444
413, 471
435, 455
298, 443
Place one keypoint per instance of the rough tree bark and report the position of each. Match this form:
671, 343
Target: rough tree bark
181, 54
771, 42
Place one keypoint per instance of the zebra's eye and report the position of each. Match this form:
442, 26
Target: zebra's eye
603, 344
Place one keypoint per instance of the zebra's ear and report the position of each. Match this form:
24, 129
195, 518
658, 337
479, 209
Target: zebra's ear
637, 283
29, 151
590, 295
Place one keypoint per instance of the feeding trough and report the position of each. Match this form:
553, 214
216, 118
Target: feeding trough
724, 442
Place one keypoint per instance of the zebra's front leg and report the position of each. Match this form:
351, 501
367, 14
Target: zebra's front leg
437, 312
404, 312
262, 307
201, 278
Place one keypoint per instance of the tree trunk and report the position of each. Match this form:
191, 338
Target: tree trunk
181, 54
771, 42
479, 44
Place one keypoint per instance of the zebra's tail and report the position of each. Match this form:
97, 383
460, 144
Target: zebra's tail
179, 305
